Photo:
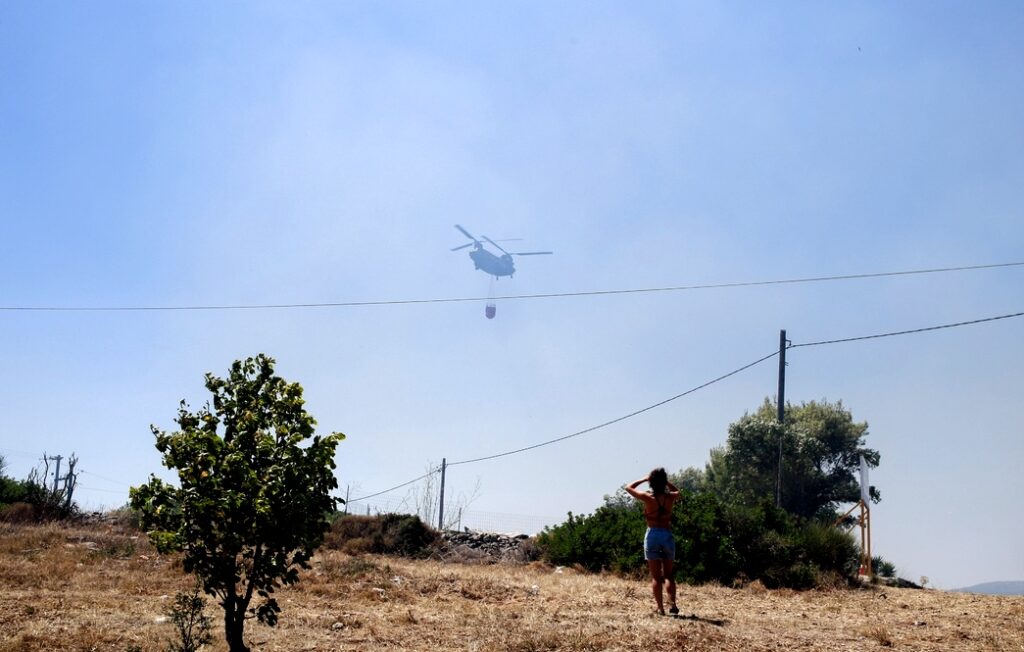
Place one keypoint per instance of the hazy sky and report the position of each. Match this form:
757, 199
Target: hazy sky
184, 154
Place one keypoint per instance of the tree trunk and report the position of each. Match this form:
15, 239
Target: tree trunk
234, 622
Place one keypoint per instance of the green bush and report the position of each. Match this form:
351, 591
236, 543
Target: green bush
12, 491
706, 546
829, 548
390, 534
883, 567
609, 539
46, 504
715, 541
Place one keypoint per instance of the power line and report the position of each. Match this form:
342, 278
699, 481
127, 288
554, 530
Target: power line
397, 486
19, 453
622, 418
97, 475
909, 332
577, 433
694, 389
109, 491
550, 295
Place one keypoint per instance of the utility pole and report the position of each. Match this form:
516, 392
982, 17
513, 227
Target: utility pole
347, 487
440, 511
56, 473
781, 412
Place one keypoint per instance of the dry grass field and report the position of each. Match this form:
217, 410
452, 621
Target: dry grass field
101, 588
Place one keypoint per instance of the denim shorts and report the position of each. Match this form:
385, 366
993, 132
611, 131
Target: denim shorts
659, 544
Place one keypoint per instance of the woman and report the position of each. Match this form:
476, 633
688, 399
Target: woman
659, 544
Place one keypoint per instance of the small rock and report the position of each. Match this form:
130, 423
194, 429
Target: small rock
338, 625
160, 620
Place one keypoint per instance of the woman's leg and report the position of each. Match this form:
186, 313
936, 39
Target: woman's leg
670, 577
657, 577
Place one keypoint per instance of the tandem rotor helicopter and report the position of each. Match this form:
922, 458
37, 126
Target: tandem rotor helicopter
491, 263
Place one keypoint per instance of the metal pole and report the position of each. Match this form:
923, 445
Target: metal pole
347, 487
781, 412
440, 511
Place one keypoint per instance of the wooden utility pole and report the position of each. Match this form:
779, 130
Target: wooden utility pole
781, 412
56, 473
440, 511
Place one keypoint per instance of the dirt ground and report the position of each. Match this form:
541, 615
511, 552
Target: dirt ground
102, 588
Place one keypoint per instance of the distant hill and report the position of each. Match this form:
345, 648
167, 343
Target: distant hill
995, 588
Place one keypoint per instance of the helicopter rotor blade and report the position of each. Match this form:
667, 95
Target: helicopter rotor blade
465, 233
531, 253
495, 244
470, 244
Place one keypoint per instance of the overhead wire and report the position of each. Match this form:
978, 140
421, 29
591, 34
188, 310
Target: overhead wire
97, 475
909, 332
548, 295
108, 491
20, 453
397, 486
694, 389
619, 419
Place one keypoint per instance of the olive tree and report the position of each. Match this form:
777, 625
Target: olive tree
821, 450
253, 495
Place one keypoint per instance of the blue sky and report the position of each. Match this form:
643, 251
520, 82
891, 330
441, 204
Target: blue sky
196, 154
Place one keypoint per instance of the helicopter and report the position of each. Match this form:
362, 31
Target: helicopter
491, 263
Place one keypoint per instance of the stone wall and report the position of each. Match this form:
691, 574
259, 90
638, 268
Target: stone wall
488, 547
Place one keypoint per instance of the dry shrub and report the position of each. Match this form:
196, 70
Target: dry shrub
831, 581
484, 589
357, 546
467, 555
337, 568
19, 513
126, 518
385, 534
879, 634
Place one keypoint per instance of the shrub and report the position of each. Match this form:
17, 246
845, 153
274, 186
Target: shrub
46, 505
608, 539
11, 491
190, 623
18, 513
125, 517
391, 534
715, 541
829, 548
883, 567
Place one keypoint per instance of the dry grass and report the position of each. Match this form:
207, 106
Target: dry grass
67, 588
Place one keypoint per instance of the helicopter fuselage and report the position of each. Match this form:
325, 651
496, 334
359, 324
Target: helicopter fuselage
491, 264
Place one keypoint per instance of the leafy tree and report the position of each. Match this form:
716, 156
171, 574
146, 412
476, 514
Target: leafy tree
821, 449
252, 503
690, 479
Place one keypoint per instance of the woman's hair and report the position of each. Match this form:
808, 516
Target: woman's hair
658, 480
